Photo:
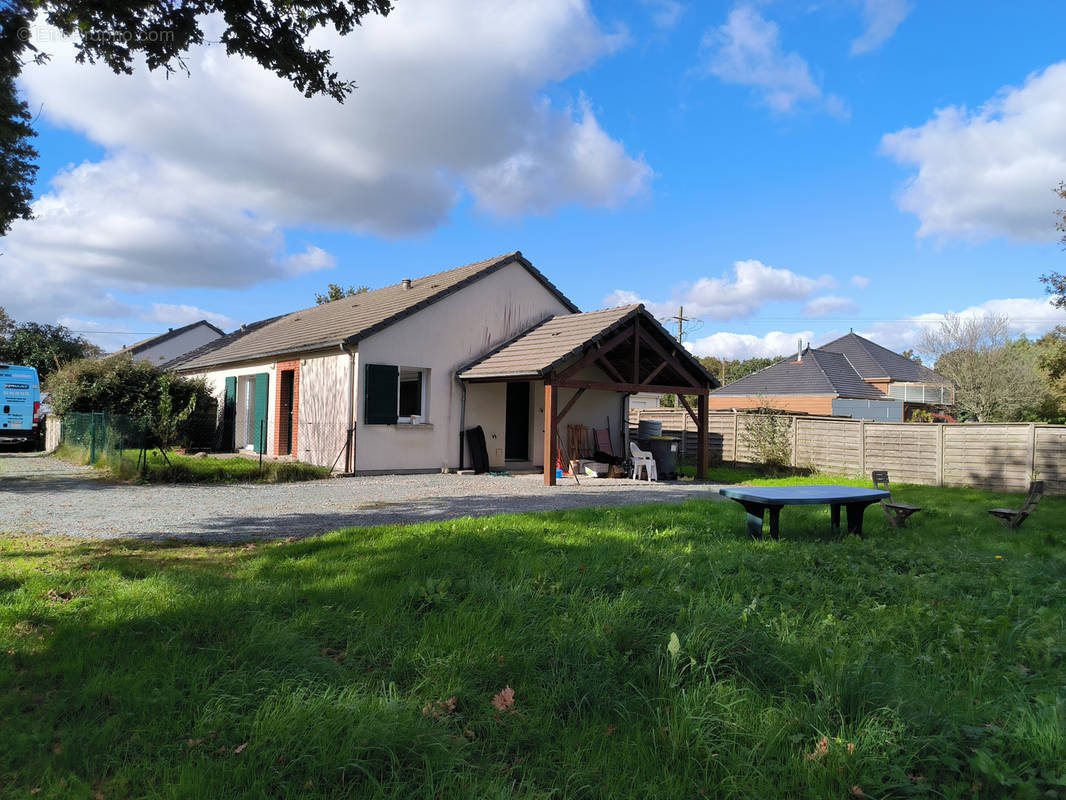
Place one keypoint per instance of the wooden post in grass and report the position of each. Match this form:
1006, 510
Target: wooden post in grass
551, 442
702, 431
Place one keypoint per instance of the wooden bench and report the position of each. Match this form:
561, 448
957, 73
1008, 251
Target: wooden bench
1012, 518
897, 512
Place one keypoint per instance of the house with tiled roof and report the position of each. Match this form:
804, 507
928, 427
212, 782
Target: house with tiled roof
848, 377
392, 380
164, 348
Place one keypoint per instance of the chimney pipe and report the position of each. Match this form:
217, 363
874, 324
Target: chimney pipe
406, 283
799, 349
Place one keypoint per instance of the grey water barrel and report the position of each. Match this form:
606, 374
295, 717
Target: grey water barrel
664, 449
647, 428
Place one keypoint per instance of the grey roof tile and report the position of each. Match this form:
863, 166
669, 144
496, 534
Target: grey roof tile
144, 344
872, 361
351, 318
536, 350
554, 341
819, 373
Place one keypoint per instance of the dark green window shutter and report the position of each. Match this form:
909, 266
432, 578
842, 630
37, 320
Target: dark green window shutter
262, 380
382, 385
229, 414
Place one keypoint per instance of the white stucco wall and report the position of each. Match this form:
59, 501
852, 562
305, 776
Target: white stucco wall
179, 345
216, 383
486, 405
444, 337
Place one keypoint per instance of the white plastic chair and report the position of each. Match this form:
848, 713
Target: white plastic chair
642, 459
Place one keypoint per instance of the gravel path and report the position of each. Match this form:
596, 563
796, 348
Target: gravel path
43, 495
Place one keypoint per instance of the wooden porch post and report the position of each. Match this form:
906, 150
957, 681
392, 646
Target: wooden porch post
551, 440
702, 406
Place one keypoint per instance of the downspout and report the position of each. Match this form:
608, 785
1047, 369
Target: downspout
462, 420
349, 442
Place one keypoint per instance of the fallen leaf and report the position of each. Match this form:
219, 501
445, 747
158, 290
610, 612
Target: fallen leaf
504, 701
239, 748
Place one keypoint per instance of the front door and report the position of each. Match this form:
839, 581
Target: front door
285, 413
516, 446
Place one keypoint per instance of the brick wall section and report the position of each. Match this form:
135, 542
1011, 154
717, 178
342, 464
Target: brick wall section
802, 404
295, 367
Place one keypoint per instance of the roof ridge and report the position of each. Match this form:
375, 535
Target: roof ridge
166, 335
329, 324
815, 352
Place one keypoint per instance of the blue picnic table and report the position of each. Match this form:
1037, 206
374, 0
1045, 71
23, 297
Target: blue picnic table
757, 500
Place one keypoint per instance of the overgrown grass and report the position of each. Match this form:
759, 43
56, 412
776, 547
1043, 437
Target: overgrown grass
925, 662
187, 469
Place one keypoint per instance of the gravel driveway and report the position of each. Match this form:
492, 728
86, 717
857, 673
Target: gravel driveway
43, 495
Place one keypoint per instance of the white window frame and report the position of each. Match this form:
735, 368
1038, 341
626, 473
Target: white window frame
420, 419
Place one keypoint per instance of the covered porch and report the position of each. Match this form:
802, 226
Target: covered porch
593, 360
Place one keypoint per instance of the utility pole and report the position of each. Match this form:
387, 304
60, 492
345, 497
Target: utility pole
681, 319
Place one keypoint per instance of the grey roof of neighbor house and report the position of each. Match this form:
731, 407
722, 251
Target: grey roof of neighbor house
818, 373
352, 318
223, 341
556, 340
144, 344
873, 362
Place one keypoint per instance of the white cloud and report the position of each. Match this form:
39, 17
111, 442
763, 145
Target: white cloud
578, 163
882, 17
740, 345
1030, 316
176, 315
990, 172
747, 51
829, 304
665, 14
860, 281
203, 174
751, 286
622, 297
113, 335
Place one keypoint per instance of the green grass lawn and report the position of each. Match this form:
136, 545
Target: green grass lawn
653, 652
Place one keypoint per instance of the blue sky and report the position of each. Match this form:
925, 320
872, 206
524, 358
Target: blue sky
780, 169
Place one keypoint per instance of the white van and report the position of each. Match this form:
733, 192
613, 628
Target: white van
20, 404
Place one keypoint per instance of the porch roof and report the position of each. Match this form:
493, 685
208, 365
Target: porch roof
544, 349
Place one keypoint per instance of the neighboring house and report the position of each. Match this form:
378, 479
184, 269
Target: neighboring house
176, 342
645, 400
851, 377
385, 381
899, 377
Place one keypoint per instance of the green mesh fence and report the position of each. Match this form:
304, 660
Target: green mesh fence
100, 438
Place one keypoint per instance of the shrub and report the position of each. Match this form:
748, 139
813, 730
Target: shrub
768, 434
122, 386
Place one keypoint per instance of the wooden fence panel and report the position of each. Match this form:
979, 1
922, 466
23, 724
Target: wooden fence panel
829, 445
987, 456
907, 451
992, 456
1050, 457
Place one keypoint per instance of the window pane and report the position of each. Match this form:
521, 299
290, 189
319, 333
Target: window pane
410, 392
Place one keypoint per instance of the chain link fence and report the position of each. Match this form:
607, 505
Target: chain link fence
324, 444
99, 438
